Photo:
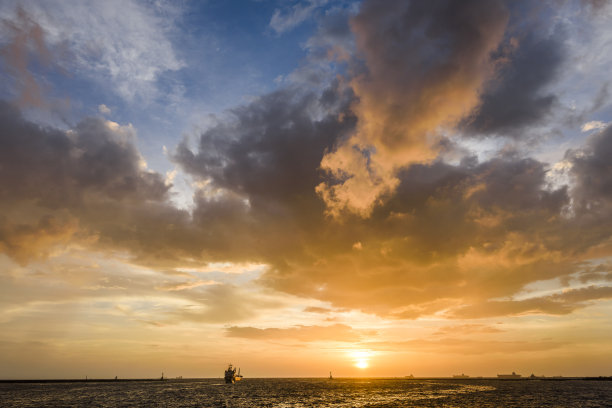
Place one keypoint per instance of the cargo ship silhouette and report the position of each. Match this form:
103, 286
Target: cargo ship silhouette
512, 376
231, 376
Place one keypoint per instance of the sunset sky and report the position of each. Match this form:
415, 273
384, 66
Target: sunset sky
376, 188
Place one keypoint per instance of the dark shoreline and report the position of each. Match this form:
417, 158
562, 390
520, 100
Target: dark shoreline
111, 380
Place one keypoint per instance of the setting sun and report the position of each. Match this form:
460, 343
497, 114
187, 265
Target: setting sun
361, 364
361, 358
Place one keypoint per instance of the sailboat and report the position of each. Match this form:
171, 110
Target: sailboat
330, 376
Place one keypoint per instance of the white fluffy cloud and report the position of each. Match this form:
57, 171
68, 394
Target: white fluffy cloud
121, 44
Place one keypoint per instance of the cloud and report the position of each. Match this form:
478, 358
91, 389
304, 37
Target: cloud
517, 95
467, 329
464, 346
121, 43
64, 184
593, 125
24, 44
178, 286
58, 168
315, 309
450, 235
25, 241
596, 5
333, 38
286, 20
259, 170
103, 109
423, 66
220, 303
336, 332
431, 238
557, 304
591, 172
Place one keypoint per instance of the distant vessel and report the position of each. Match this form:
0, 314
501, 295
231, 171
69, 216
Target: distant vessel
461, 376
512, 376
330, 376
231, 376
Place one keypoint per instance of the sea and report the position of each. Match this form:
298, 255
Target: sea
310, 392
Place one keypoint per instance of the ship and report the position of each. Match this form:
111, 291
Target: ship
461, 376
330, 376
513, 376
232, 375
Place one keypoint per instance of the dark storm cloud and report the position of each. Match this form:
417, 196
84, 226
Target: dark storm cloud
448, 209
517, 96
592, 172
59, 169
272, 147
60, 185
261, 170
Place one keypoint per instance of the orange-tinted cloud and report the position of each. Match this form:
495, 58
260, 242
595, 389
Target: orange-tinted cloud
424, 66
335, 332
24, 242
467, 347
557, 304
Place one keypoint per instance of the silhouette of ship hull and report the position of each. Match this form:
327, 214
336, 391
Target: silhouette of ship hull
513, 376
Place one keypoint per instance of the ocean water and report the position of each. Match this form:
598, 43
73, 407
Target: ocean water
285, 393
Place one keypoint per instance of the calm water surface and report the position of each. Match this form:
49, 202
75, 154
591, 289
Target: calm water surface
284, 393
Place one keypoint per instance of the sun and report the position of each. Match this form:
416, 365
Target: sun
361, 358
361, 364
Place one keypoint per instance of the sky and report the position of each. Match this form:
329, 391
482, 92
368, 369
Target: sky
297, 187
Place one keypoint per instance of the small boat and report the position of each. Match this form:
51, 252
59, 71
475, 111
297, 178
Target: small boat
330, 376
